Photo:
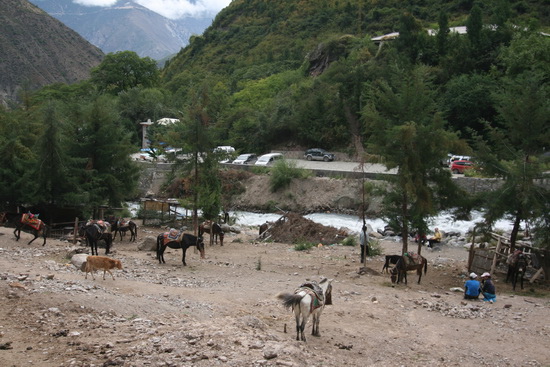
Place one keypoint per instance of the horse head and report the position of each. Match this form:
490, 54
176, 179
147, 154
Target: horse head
326, 285
393, 274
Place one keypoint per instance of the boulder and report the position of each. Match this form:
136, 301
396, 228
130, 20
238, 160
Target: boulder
79, 261
148, 244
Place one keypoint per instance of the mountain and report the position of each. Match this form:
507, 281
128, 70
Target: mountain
126, 26
37, 49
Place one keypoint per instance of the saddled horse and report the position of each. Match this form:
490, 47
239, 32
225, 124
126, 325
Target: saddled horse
308, 299
408, 263
122, 226
95, 231
178, 239
214, 230
517, 264
390, 259
28, 222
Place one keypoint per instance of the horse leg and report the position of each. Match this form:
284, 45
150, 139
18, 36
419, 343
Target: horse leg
35, 237
298, 327
315, 330
183, 256
514, 280
108, 241
419, 272
17, 233
521, 279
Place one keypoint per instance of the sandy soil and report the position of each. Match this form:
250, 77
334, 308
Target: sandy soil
223, 310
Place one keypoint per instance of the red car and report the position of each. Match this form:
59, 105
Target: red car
461, 165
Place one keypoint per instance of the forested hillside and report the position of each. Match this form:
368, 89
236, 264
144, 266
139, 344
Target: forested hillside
296, 74
296, 69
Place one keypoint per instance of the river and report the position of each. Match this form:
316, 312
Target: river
351, 223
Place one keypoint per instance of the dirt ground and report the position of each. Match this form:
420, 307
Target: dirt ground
223, 310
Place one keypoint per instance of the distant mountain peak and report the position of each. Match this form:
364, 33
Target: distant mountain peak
126, 25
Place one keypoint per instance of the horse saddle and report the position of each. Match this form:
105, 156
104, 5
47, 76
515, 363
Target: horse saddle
101, 225
31, 220
513, 258
412, 259
315, 291
172, 235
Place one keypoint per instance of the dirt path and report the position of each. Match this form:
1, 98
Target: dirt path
222, 311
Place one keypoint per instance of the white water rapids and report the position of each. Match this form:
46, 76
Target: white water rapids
443, 221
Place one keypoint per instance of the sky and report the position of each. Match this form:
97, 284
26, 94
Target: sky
172, 9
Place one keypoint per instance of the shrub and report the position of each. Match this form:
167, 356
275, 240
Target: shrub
349, 241
283, 172
374, 248
303, 246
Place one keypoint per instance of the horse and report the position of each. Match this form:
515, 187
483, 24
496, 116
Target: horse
95, 231
121, 226
517, 264
308, 299
263, 229
177, 239
28, 222
403, 266
214, 230
390, 259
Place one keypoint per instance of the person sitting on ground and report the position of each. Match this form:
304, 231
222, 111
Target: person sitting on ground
488, 288
436, 238
472, 287
422, 239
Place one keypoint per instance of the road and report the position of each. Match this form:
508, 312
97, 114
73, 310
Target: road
341, 166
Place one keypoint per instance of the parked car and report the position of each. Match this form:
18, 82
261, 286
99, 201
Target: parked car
461, 165
458, 158
245, 159
268, 159
317, 154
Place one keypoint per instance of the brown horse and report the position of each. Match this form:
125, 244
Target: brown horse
122, 226
28, 222
405, 264
214, 230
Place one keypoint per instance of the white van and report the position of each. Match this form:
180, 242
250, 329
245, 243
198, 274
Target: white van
268, 159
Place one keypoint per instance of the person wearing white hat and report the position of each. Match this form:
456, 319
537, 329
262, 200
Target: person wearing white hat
472, 287
488, 288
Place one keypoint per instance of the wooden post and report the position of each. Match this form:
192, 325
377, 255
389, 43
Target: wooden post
471, 252
75, 230
537, 274
494, 264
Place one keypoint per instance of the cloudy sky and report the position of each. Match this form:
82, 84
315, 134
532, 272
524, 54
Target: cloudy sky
170, 8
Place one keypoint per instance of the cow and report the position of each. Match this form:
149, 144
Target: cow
104, 263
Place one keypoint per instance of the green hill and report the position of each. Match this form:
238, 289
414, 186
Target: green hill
294, 72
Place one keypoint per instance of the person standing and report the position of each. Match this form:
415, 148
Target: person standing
472, 287
436, 238
364, 242
488, 288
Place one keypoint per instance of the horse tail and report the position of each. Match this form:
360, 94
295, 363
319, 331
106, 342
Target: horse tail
425, 266
290, 300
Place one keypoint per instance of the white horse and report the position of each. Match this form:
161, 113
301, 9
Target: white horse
308, 299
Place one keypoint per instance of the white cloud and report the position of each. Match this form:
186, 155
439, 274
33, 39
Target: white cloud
169, 8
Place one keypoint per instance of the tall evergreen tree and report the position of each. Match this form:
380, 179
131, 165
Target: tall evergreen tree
111, 176
406, 129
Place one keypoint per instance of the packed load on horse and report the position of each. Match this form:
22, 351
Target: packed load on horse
28, 222
178, 239
409, 261
308, 299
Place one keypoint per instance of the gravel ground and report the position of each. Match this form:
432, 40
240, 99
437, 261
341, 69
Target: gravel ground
223, 310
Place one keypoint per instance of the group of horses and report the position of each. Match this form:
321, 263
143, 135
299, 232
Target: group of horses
106, 230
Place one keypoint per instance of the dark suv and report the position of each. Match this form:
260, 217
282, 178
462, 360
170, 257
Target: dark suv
316, 154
